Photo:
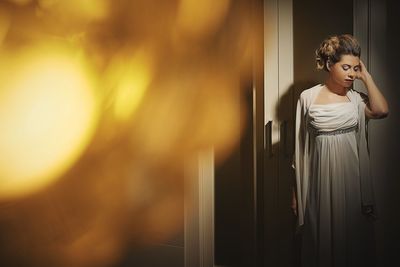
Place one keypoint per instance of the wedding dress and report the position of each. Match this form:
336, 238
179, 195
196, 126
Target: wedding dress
333, 181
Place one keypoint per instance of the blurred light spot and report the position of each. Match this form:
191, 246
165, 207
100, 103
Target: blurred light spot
166, 122
129, 78
20, 2
47, 117
46, 3
167, 74
4, 24
199, 18
89, 9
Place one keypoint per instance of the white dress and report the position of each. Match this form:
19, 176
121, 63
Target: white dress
335, 232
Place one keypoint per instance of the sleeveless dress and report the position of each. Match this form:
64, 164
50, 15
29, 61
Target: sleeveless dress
335, 233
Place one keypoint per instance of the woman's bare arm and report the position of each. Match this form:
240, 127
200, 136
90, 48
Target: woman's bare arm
377, 107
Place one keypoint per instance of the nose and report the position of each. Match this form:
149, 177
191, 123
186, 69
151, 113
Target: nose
352, 74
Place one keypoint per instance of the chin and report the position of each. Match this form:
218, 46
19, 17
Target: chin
348, 85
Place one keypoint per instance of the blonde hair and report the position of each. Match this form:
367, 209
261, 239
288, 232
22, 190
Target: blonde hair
334, 47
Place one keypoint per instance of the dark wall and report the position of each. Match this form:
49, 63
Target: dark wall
234, 192
389, 143
314, 20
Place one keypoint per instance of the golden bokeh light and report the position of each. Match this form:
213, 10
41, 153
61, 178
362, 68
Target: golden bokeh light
88, 9
128, 77
20, 2
101, 104
4, 23
197, 19
48, 113
200, 92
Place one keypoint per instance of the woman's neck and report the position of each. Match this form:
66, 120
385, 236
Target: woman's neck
335, 88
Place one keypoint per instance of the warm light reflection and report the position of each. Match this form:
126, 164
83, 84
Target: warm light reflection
101, 103
20, 2
47, 114
128, 77
199, 18
4, 23
90, 9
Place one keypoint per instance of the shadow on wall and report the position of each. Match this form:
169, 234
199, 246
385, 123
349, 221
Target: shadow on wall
283, 218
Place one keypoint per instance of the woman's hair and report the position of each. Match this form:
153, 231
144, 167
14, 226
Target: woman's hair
334, 47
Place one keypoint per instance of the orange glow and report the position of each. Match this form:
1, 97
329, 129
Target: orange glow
129, 78
4, 24
20, 2
48, 111
89, 9
199, 18
101, 103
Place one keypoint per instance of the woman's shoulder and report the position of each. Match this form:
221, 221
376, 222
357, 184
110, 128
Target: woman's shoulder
309, 93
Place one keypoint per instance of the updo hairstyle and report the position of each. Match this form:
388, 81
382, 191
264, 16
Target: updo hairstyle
334, 47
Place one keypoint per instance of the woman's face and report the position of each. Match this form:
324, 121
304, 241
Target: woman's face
345, 71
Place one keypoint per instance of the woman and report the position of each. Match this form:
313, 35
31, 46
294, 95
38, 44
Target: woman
334, 200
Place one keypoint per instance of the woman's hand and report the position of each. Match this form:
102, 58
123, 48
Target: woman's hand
377, 107
363, 73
